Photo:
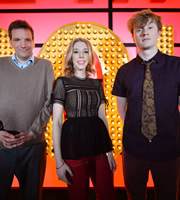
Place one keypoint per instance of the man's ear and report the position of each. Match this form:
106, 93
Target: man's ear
10, 41
159, 33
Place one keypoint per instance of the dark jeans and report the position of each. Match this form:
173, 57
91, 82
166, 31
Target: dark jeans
28, 165
136, 176
97, 168
178, 179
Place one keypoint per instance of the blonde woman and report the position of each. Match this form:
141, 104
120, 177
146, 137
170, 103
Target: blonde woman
82, 144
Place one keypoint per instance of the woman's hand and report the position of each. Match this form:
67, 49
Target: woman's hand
64, 172
112, 162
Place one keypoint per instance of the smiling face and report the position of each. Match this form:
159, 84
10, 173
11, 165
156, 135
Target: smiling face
146, 37
80, 57
22, 43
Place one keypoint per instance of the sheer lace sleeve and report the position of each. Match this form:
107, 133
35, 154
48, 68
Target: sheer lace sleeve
101, 92
59, 92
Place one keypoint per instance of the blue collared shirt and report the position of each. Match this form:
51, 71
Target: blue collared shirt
25, 64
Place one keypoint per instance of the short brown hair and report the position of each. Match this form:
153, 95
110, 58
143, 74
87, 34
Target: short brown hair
68, 62
141, 18
19, 24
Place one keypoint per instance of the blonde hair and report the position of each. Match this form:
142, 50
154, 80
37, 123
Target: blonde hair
68, 62
141, 18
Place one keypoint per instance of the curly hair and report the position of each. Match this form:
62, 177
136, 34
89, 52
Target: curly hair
141, 18
68, 62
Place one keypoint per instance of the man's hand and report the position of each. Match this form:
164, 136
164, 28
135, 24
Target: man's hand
8, 140
11, 141
24, 137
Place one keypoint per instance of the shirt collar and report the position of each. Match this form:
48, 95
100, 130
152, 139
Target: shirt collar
156, 58
25, 64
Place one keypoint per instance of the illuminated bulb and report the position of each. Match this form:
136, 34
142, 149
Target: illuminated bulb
89, 31
112, 43
100, 56
83, 31
106, 49
101, 49
59, 61
77, 25
107, 55
94, 37
53, 38
47, 44
59, 67
113, 135
113, 141
89, 25
83, 26
71, 32
118, 128
59, 31
100, 37
113, 61
95, 44
88, 37
106, 32
100, 44
77, 31
100, 31
169, 51
124, 55
113, 116
113, 49
119, 135
107, 61
112, 56
107, 43
94, 31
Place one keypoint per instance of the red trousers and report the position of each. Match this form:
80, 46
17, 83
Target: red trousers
97, 168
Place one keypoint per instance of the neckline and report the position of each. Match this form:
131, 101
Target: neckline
79, 78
